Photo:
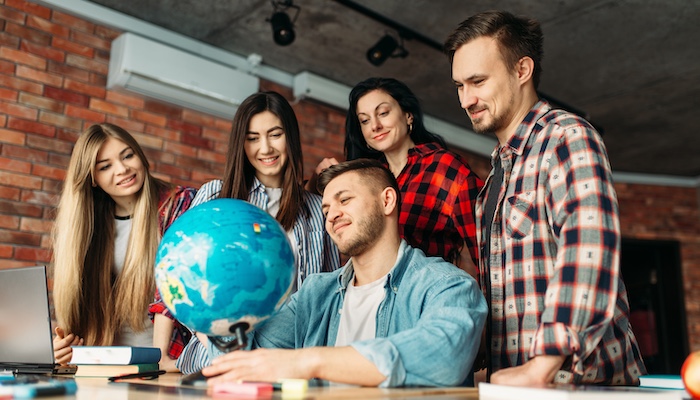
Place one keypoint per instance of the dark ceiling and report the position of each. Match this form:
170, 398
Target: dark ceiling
632, 66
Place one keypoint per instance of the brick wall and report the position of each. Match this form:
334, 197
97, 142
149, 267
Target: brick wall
53, 70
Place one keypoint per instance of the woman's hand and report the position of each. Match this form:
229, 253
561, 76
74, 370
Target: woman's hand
310, 185
62, 350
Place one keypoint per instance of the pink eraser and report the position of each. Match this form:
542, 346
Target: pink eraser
243, 388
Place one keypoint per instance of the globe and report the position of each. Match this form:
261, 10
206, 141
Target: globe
224, 263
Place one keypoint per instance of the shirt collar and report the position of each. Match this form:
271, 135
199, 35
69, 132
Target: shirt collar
518, 141
395, 274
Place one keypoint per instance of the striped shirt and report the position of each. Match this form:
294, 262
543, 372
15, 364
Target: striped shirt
553, 264
315, 252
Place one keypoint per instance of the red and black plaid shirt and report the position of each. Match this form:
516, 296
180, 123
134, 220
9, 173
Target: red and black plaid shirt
438, 190
172, 204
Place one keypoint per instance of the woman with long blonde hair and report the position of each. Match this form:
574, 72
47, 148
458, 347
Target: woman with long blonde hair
110, 220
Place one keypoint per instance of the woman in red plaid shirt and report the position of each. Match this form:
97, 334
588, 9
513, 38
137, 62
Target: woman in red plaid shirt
385, 122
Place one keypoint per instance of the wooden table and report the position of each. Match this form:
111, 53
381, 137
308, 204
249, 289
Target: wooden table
167, 387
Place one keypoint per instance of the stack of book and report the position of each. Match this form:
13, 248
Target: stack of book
108, 361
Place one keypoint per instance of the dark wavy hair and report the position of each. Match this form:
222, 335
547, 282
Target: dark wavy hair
239, 173
355, 144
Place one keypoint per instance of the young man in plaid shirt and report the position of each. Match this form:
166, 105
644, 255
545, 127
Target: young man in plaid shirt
548, 225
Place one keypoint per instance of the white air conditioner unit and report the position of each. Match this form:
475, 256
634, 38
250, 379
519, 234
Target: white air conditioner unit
311, 86
168, 74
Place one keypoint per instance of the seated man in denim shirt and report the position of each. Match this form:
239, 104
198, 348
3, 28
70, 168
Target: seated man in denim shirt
390, 317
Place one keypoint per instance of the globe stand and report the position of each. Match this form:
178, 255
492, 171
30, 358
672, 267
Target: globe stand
239, 341
227, 344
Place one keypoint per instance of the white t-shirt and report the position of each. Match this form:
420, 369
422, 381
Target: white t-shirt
358, 317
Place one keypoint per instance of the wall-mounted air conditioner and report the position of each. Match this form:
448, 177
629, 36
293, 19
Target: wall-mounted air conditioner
168, 74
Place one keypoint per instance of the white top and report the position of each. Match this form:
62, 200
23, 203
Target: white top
126, 336
358, 317
273, 207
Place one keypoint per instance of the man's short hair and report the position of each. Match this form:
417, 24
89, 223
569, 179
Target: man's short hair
377, 176
517, 37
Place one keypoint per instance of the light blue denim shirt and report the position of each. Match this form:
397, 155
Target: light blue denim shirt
428, 326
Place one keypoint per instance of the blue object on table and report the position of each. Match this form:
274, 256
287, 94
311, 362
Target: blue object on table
50, 388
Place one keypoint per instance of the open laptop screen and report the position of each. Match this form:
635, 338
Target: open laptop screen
25, 321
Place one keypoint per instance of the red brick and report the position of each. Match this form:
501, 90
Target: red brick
172, 170
9, 193
69, 135
87, 63
178, 148
60, 160
223, 125
128, 124
18, 180
50, 144
31, 127
31, 35
127, 99
72, 47
164, 133
21, 209
20, 57
148, 118
80, 87
98, 79
9, 14
199, 177
148, 141
52, 186
43, 51
14, 137
217, 158
157, 156
5, 251
91, 40
197, 118
55, 119
47, 26
162, 108
7, 67
8, 40
67, 71
48, 172
73, 22
8, 94
108, 108
40, 76
9, 164
67, 96
35, 225
33, 254
40, 198
22, 85
106, 33
40, 102
196, 141
36, 9
185, 127
18, 110
216, 136
9, 222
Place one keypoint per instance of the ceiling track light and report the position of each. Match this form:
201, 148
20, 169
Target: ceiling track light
283, 26
386, 47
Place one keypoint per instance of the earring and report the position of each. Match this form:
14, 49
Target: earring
410, 129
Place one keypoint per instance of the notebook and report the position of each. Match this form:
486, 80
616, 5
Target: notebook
26, 339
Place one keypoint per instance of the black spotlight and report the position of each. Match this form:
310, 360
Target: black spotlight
384, 49
282, 28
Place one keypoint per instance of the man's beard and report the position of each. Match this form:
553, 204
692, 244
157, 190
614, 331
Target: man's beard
369, 230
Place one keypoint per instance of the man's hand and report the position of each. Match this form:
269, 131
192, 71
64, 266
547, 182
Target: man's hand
260, 365
62, 350
538, 371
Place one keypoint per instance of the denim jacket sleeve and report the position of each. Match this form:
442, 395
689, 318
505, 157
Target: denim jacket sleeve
440, 349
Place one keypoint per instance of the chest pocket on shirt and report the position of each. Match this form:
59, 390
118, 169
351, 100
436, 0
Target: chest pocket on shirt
520, 214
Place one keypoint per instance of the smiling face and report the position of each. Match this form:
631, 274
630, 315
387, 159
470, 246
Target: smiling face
486, 86
120, 173
266, 148
384, 125
354, 217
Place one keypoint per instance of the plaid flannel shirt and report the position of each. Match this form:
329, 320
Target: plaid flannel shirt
553, 265
438, 191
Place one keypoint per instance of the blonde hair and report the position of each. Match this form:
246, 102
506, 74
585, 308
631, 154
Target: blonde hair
89, 300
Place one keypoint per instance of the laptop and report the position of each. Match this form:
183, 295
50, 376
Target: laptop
26, 339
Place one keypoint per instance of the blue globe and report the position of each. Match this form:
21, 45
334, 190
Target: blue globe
223, 263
